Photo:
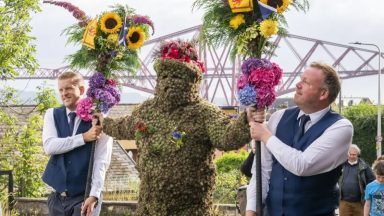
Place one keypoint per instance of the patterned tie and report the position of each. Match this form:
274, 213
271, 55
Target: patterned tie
72, 116
300, 131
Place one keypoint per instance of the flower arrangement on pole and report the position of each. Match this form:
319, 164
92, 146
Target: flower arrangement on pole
248, 25
109, 46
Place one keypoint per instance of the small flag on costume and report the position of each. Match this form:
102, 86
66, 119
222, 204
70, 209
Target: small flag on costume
266, 10
123, 33
90, 34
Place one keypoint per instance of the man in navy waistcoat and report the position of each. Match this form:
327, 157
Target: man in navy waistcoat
303, 149
66, 139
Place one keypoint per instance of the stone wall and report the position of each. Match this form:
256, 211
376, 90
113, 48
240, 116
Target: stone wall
34, 207
121, 172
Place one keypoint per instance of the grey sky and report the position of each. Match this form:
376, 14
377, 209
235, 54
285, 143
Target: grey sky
336, 21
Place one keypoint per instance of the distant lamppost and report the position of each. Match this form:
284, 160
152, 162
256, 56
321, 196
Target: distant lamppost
378, 137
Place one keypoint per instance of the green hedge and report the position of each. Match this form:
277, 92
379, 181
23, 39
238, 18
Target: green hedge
364, 120
229, 177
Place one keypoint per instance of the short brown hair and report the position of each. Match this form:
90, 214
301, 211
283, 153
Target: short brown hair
77, 78
378, 166
331, 79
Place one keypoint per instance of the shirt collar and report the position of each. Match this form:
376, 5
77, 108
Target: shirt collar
316, 116
68, 111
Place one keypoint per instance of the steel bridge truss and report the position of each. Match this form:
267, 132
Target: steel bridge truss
293, 53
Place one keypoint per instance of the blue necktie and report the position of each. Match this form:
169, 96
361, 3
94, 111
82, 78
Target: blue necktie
72, 116
300, 131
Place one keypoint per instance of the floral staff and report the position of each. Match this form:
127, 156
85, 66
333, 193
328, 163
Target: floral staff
249, 24
110, 43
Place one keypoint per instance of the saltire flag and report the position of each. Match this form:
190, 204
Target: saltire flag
266, 10
123, 33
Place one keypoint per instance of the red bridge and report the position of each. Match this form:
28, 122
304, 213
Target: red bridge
292, 53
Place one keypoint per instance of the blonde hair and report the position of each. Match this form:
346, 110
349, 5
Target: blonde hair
77, 79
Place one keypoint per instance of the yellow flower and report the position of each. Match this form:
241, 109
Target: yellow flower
280, 9
110, 23
268, 28
236, 21
113, 39
135, 37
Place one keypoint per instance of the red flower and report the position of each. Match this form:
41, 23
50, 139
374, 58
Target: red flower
182, 51
141, 126
111, 82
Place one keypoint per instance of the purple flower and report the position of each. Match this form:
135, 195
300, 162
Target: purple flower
103, 107
247, 96
105, 97
97, 80
138, 19
225, 2
176, 135
91, 92
254, 63
76, 12
114, 93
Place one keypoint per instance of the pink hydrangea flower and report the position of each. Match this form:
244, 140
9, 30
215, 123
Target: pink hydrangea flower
242, 81
84, 109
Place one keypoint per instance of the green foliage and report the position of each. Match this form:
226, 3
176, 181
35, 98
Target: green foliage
226, 186
364, 120
230, 161
216, 28
15, 48
229, 177
45, 99
21, 144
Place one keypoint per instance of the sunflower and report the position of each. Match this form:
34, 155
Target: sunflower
268, 28
282, 5
135, 37
110, 23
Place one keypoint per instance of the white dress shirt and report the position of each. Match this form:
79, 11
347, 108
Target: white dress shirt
54, 145
324, 154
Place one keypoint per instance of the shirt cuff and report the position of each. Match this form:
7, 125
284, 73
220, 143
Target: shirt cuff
78, 140
95, 192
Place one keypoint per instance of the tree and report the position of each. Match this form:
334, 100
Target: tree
15, 48
364, 120
21, 148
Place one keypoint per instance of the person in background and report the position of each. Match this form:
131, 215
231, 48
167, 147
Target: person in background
374, 192
66, 139
303, 149
356, 174
246, 166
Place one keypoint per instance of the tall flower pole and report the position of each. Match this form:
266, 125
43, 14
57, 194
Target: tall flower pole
110, 42
249, 24
378, 135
